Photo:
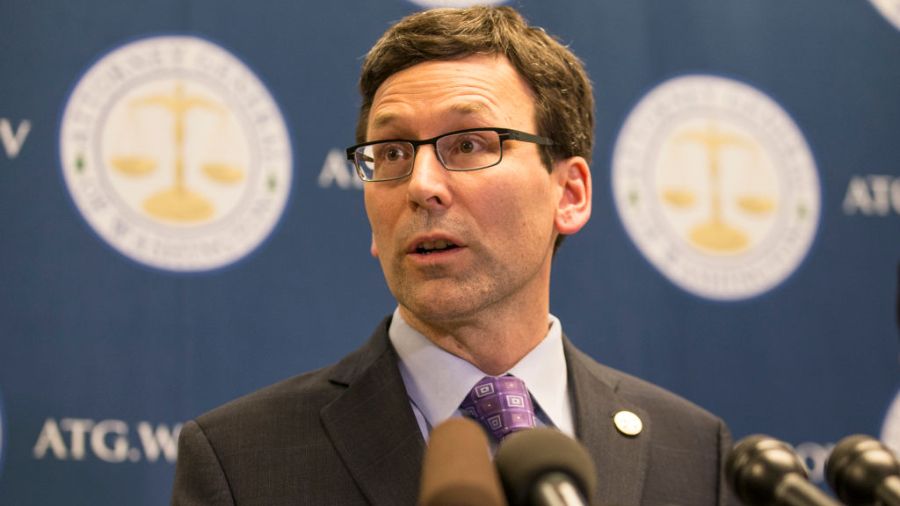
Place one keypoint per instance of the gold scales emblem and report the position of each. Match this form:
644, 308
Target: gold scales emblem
177, 202
715, 233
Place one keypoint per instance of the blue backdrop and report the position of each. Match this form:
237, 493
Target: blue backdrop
179, 226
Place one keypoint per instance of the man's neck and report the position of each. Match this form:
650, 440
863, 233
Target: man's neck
493, 344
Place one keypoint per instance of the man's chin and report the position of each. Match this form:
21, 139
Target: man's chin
439, 311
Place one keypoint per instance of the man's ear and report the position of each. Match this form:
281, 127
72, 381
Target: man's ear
573, 175
373, 249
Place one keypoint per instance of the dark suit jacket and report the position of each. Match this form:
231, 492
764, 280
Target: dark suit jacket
346, 435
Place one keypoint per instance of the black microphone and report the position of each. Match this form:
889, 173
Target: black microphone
763, 471
862, 470
544, 467
457, 468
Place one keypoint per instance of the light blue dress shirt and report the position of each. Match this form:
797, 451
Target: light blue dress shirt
437, 381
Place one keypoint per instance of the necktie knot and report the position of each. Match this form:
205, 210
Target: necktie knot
502, 405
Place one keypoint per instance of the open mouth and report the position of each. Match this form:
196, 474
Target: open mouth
428, 247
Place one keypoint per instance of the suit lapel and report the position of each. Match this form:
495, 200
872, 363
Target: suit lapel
372, 427
621, 460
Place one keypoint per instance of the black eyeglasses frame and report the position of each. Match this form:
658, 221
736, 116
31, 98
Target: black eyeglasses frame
505, 134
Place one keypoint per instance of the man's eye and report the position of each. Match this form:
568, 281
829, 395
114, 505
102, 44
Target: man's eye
392, 153
466, 146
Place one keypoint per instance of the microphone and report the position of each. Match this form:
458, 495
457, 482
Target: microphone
544, 467
862, 470
457, 468
763, 471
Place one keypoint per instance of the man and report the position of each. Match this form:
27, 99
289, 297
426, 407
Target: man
475, 137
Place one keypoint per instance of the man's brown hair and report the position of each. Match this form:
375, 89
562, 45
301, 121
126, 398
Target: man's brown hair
564, 103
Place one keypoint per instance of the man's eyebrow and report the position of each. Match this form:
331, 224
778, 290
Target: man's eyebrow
383, 119
466, 108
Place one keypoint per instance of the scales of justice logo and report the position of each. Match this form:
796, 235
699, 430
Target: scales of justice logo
716, 186
176, 154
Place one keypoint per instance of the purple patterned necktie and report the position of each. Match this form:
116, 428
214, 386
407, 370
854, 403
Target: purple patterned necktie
502, 405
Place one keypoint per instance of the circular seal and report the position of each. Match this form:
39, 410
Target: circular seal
176, 154
890, 9
716, 186
890, 431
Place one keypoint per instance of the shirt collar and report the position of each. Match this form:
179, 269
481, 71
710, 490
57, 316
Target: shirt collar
437, 381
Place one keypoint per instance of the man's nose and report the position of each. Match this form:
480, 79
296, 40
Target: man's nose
429, 183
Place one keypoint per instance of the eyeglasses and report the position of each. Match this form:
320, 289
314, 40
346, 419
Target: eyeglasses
462, 150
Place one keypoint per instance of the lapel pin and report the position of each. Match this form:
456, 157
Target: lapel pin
628, 423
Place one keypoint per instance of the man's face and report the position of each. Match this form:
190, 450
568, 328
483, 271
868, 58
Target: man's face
455, 245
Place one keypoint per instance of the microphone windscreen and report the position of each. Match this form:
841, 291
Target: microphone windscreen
757, 465
457, 468
525, 456
857, 466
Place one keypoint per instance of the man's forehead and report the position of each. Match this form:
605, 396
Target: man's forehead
468, 109
438, 96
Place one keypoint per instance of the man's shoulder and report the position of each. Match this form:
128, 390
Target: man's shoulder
285, 440
652, 398
311, 383
672, 406
301, 397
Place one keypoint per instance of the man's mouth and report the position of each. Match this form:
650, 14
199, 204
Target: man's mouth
428, 247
